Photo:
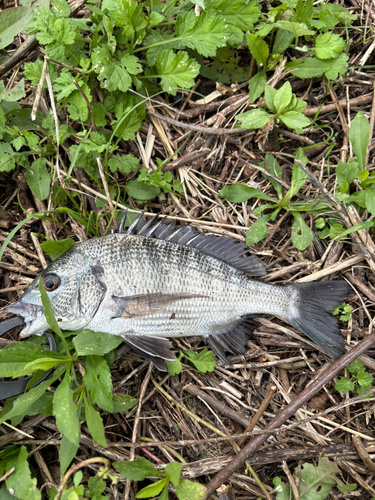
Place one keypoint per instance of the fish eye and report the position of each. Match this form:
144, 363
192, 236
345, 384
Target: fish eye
51, 282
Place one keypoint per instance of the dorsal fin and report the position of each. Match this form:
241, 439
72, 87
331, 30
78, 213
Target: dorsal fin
234, 252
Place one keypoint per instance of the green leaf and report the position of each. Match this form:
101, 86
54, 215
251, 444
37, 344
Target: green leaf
237, 193
65, 411
298, 176
204, 361
346, 173
98, 382
344, 385
152, 489
123, 402
338, 65
302, 236
174, 367
370, 200
328, 45
131, 63
257, 84
155, 18
238, 13
141, 191
359, 133
282, 97
258, 49
176, 70
45, 364
48, 312
173, 472
20, 482
307, 67
95, 424
282, 490
67, 452
124, 164
15, 93
298, 29
39, 179
365, 379
14, 357
137, 470
95, 343
272, 166
295, 120
23, 402
356, 366
269, 97
304, 11
99, 114
257, 231
255, 118
12, 22
282, 41
56, 248
189, 490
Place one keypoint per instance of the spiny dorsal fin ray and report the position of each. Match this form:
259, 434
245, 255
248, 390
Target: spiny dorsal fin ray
224, 248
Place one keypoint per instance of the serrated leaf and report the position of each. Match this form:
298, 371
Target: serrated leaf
254, 119
65, 411
257, 231
95, 424
124, 164
344, 385
98, 382
131, 63
137, 470
60, 8
364, 379
56, 248
155, 18
257, 84
88, 343
298, 29
237, 193
176, 70
295, 120
356, 366
338, 65
12, 22
307, 67
302, 235
359, 133
258, 48
39, 179
242, 15
328, 45
304, 11
203, 361
141, 191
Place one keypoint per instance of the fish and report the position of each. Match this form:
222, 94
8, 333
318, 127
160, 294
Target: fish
155, 281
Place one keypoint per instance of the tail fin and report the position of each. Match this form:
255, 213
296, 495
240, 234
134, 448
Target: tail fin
314, 303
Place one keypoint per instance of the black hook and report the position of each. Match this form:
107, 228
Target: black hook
10, 388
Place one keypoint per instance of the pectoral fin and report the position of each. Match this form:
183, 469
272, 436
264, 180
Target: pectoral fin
154, 349
137, 306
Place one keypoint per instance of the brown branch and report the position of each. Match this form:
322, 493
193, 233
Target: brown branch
289, 411
358, 101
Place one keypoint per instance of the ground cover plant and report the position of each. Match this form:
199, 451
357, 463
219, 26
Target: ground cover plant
249, 119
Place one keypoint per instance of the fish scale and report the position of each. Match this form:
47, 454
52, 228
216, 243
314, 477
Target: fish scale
144, 285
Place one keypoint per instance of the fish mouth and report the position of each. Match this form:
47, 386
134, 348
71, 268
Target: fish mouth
32, 315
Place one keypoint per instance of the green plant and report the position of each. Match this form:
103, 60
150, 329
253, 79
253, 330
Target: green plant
302, 235
140, 469
360, 380
84, 382
314, 482
344, 310
203, 361
284, 106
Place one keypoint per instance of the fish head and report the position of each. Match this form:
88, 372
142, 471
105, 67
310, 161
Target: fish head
74, 288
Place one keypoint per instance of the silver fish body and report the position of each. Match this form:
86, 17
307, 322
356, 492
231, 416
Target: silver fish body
147, 288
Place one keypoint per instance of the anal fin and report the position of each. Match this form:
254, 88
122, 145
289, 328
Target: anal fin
234, 340
154, 349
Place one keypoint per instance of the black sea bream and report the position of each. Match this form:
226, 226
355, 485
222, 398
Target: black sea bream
155, 282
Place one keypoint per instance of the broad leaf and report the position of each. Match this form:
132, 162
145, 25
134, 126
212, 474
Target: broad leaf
328, 45
189, 490
15, 93
295, 120
258, 49
56, 248
237, 193
302, 235
12, 22
137, 470
95, 424
20, 482
307, 67
282, 97
346, 173
255, 118
203, 361
65, 411
257, 84
88, 343
153, 489
98, 382
257, 231
141, 191
39, 179
173, 472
